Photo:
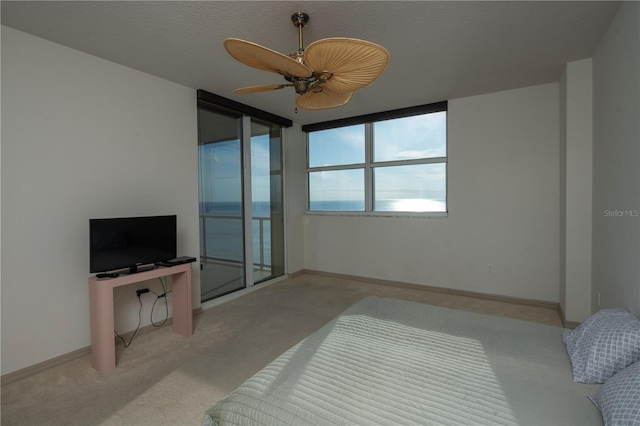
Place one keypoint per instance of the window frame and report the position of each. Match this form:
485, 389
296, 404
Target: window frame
369, 165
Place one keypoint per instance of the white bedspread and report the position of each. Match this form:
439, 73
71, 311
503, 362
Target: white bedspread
389, 362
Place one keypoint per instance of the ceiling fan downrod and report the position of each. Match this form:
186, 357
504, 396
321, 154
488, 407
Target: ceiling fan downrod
300, 20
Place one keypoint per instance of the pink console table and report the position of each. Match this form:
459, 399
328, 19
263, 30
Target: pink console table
103, 347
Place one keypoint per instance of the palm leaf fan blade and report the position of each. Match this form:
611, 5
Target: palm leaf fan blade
265, 59
354, 63
255, 89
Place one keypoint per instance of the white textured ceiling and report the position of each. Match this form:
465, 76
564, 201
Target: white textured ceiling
439, 50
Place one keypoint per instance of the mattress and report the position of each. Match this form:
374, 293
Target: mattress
386, 362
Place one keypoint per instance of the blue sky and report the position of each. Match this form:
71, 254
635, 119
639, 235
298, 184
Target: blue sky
220, 170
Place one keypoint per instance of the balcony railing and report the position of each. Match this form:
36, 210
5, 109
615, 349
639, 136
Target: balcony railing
224, 242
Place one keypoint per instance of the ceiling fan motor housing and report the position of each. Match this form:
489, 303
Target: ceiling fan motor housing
303, 85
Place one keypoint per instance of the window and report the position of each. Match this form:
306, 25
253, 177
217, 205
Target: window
386, 164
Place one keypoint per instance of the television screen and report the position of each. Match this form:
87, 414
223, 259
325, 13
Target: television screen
129, 242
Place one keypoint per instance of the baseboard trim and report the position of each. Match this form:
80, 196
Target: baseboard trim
487, 296
566, 324
23, 373
297, 273
570, 324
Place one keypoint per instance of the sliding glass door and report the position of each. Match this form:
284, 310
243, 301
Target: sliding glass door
221, 203
241, 202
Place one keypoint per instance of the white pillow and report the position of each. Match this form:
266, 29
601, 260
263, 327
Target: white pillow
619, 398
603, 344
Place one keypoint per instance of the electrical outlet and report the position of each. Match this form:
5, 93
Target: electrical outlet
598, 294
489, 268
141, 291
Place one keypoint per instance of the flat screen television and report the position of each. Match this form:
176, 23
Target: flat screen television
131, 242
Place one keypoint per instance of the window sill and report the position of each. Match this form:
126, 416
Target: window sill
415, 215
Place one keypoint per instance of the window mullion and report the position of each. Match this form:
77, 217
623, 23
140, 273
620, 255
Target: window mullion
341, 167
410, 162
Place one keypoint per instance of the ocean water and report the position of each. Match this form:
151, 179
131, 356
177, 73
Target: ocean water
222, 224
388, 205
262, 209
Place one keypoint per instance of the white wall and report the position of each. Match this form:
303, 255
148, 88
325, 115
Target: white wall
82, 137
616, 163
576, 145
503, 208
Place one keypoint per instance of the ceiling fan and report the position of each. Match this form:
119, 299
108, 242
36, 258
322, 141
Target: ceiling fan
324, 75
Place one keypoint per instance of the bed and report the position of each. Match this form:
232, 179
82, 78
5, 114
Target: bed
386, 361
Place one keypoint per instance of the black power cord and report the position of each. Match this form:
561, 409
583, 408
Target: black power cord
166, 304
126, 345
158, 297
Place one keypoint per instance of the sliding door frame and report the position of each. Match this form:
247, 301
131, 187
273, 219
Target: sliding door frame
217, 103
247, 201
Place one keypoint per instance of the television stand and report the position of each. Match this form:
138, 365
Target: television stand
103, 344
